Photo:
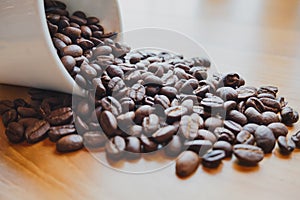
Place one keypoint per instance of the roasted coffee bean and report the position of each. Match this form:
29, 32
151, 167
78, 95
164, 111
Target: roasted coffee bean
212, 104
108, 123
150, 124
278, 129
27, 112
153, 81
296, 139
174, 147
81, 126
111, 104
255, 103
189, 104
152, 90
57, 132
127, 104
63, 23
52, 28
229, 105
9, 116
59, 45
126, 120
115, 148
115, 85
53, 18
72, 50
213, 158
26, 122
63, 38
269, 117
253, 115
271, 104
227, 93
100, 90
162, 100
6, 105
225, 146
85, 45
289, 116
78, 20
149, 101
187, 163
206, 135
69, 62
232, 126
268, 89
201, 147
60, 116
250, 127
265, 139
72, 32
37, 131
147, 144
15, 132
114, 70
133, 148
286, 145
237, 117
248, 154
168, 91
81, 81
102, 50
223, 134
137, 92
175, 113
69, 143
245, 137
241, 107
212, 123
246, 92
135, 130
141, 112
266, 95
164, 134
188, 127
189, 86
230, 80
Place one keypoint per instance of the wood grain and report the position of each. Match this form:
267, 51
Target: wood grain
258, 39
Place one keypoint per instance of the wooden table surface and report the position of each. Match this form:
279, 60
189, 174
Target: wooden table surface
260, 39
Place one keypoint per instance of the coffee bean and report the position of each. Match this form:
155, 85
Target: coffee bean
227, 93
20, 103
248, 154
69, 143
245, 137
223, 134
245, 92
232, 126
69, 62
175, 113
286, 145
230, 80
115, 148
85, 45
253, 115
296, 139
72, 32
206, 135
72, 50
108, 123
150, 124
162, 100
269, 117
188, 127
164, 134
133, 148
81, 126
60, 116
102, 50
27, 112
265, 139
135, 130
115, 85
212, 123
63, 38
37, 131
137, 92
225, 146
15, 132
200, 147
168, 91
271, 104
174, 147
289, 116
126, 120
100, 90
111, 104
26, 122
9, 116
153, 81
255, 103
250, 127
213, 158
278, 129
114, 70
237, 117
229, 105
127, 104
57, 132
147, 144
268, 89
5, 105
187, 163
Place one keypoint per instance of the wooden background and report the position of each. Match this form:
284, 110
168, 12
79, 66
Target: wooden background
260, 39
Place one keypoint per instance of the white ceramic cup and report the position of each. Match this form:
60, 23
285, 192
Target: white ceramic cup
27, 55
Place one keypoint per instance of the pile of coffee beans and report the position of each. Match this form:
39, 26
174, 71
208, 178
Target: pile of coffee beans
146, 101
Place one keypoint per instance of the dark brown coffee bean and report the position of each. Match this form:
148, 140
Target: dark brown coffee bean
37, 131
92, 20
57, 132
164, 134
278, 129
250, 127
102, 50
174, 147
133, 148
233, 126
85, 44
162, 100
225, 146
147, 144
230, 80
100, 90
268, 89
137, 92
213, 158
27, 112
53, 18
52, 28
60, 116
175, 113
132, 77
229, 105
20, 103
289, 116
248, 154
241, 107
26, 122
168, 91
115, 148
63, 23
126, 120
245, 137
108, 123
253, 116
223, 134
189, 86
111, 104
246, 92
255, 103
201, 147
97, 42
227, 93
286, 145
269, 117
212, 123
296, 139
150, 124
9, 116
265, 139
266, 95
69, 143
213, 102
187, 163
72, 32
135, 130
237, 117
72, 50
80, 80
206, 135
271, 104
5, 105
188, 127
59, 45
114, 70
63, 38
127, 104
15, 132
69, 62
78, 20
